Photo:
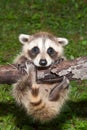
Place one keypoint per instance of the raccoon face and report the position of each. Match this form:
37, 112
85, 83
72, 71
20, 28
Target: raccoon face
42, 49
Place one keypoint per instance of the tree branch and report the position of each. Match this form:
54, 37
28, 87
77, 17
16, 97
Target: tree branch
9, 74
73, 70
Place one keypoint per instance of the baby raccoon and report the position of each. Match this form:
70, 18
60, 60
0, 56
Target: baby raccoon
42, 101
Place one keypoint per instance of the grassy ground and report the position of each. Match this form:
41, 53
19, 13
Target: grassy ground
67, 18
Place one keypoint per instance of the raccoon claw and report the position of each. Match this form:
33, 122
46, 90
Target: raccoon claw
21, 68
27, 68
58, 61
55, 92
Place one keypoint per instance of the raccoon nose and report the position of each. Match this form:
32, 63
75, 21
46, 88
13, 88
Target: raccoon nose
43, 62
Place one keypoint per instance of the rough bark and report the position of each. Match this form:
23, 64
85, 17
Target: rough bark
9, 74
73, 70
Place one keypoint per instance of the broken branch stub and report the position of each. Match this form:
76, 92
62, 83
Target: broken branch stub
9, 74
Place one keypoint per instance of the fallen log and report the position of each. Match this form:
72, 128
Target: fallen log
74, 70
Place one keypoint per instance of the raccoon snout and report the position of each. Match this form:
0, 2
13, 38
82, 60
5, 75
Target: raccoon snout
43, 62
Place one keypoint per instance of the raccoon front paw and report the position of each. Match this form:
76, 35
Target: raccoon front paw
30, 68
58, 61
21, 67
24, 68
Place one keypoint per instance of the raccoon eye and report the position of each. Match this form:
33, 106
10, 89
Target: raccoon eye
50, 51
35, 50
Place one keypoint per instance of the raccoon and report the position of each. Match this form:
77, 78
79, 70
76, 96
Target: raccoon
41, 101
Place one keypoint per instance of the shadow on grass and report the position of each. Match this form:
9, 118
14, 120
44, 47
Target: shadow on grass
78, 109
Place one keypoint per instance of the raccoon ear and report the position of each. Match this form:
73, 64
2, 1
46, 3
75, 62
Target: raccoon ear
23, 38
63, 41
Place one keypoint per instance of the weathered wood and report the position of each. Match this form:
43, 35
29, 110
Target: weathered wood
9, 74
73, 70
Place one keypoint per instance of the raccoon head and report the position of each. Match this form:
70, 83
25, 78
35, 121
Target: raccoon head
42, 48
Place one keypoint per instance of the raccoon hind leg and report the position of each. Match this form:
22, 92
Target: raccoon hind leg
60, 89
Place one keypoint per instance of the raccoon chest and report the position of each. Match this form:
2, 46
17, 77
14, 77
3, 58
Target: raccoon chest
45, 89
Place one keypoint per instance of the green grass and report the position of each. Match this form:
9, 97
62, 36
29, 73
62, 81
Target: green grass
66, 18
